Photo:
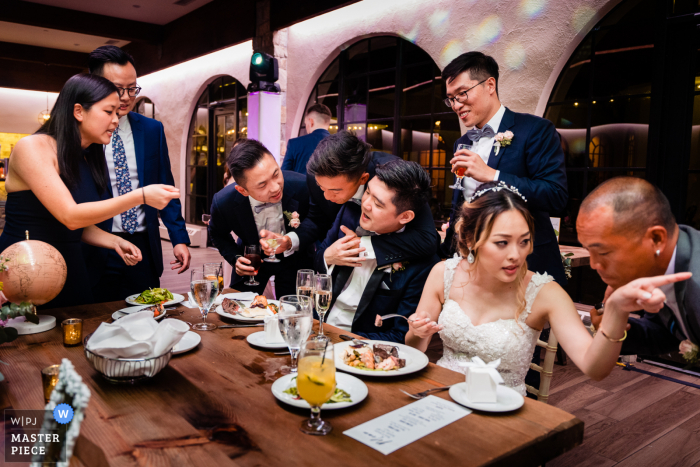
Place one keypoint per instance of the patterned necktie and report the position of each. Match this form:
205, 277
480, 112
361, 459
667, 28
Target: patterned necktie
260, 207
476, 134
121, 168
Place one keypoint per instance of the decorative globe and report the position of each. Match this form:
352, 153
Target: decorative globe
36, 272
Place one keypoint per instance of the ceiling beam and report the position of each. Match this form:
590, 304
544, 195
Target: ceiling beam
31, 53
63, 19
35, 76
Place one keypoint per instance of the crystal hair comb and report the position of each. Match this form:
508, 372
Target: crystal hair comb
501, 186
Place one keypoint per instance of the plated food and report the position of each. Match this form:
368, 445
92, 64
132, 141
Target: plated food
157, 295
354, 387
378, 357
339, 395
259, 308
389, 358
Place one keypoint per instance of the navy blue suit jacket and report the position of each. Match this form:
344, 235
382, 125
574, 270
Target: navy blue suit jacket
299, 150
404, 287
534, 164
153, 165
419, 240
231, 212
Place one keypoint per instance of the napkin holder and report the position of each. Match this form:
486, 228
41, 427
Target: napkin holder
482, 380
272, 330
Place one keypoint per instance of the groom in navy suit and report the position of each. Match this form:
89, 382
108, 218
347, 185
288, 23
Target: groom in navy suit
389, 204
529, 158
263, 193
137, 156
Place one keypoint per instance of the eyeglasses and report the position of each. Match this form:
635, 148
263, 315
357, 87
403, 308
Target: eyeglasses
133, 92
461, 97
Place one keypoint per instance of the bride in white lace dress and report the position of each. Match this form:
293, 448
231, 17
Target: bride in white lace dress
486, 303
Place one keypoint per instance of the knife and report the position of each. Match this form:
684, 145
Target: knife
242, 326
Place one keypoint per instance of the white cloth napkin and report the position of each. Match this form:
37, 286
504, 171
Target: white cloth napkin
136, 335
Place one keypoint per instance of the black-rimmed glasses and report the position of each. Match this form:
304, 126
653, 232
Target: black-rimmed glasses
133, 92
461, 97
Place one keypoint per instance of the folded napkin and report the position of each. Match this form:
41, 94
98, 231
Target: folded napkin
482, 379
138, 336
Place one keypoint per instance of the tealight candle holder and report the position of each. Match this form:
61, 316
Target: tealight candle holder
72, 331
49, 378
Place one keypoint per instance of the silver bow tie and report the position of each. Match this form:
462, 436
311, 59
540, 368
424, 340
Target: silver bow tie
364, 233
476, 134
260, 207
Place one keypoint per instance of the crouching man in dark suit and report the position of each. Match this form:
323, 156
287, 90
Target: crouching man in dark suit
389, 204
263, 195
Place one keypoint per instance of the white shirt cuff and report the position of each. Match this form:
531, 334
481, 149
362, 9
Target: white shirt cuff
329, 269
495, 177
294, 238
366, 242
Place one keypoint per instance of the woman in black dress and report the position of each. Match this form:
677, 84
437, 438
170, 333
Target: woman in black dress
55, 179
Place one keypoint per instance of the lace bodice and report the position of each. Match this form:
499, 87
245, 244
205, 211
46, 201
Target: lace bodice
513, 342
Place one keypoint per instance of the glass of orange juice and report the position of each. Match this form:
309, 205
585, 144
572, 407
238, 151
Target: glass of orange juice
459, 172
316, 382
215, 271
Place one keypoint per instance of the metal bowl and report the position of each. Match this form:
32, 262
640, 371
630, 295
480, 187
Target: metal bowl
126, 370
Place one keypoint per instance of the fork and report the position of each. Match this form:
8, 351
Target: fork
395, 315
421, 395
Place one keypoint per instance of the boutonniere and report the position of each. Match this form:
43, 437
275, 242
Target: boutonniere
293, 218
397, 267
502, 139
689, 352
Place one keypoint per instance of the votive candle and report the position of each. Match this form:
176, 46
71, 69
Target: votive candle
72, 331
49, 378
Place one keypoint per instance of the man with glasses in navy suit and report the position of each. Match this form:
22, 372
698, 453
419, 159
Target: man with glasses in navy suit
137, 156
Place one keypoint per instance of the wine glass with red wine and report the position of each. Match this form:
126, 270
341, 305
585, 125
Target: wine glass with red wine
252, 254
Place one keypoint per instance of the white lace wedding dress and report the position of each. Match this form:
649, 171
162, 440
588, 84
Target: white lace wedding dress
513, 342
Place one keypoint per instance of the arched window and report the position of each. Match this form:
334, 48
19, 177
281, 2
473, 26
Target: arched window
601, 103
220, 117
389, 91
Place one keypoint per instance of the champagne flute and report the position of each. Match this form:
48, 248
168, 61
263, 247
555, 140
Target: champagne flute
215, 271
305, 283
323, 289
204, 293
252, 254
460, 170
316, 383
295, 323
274, 226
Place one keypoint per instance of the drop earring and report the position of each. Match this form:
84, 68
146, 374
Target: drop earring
470, 258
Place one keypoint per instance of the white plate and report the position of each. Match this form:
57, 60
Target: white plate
355, 387
507, 399
132, 309
188, 342
220, 311
415, 360
118, 314
258, 340
177, 298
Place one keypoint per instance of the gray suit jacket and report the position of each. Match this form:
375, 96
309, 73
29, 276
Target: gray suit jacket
656, 334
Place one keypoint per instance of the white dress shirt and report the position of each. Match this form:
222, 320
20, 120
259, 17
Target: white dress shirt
128, 140
345, 306
483, 148
670, 292
273, 212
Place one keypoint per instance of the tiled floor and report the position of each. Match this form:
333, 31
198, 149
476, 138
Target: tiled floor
631, 419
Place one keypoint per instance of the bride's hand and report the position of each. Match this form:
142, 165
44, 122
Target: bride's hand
643, 293
422, 326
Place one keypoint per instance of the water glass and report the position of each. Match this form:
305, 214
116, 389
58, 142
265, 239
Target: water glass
204, 291
215, 271
295, 321
316, 383
460, 170
323, 290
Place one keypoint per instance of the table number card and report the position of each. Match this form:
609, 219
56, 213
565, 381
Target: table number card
403, 426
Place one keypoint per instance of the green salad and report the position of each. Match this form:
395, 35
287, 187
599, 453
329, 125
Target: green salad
338, 396
153, 296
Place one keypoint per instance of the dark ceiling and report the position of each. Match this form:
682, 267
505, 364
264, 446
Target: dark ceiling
213, 26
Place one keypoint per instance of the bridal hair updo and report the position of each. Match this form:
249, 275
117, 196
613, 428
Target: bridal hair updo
476, 221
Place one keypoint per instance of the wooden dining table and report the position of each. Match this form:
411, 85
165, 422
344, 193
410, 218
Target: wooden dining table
213, 406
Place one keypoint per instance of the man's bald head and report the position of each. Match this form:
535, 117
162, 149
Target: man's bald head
635, 203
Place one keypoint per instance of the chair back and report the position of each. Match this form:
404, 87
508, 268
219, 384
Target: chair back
546, 369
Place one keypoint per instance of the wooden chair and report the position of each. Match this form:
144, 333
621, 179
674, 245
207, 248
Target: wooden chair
546, 369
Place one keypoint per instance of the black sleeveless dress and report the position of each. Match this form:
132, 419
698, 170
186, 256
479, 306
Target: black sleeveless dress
24, 212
